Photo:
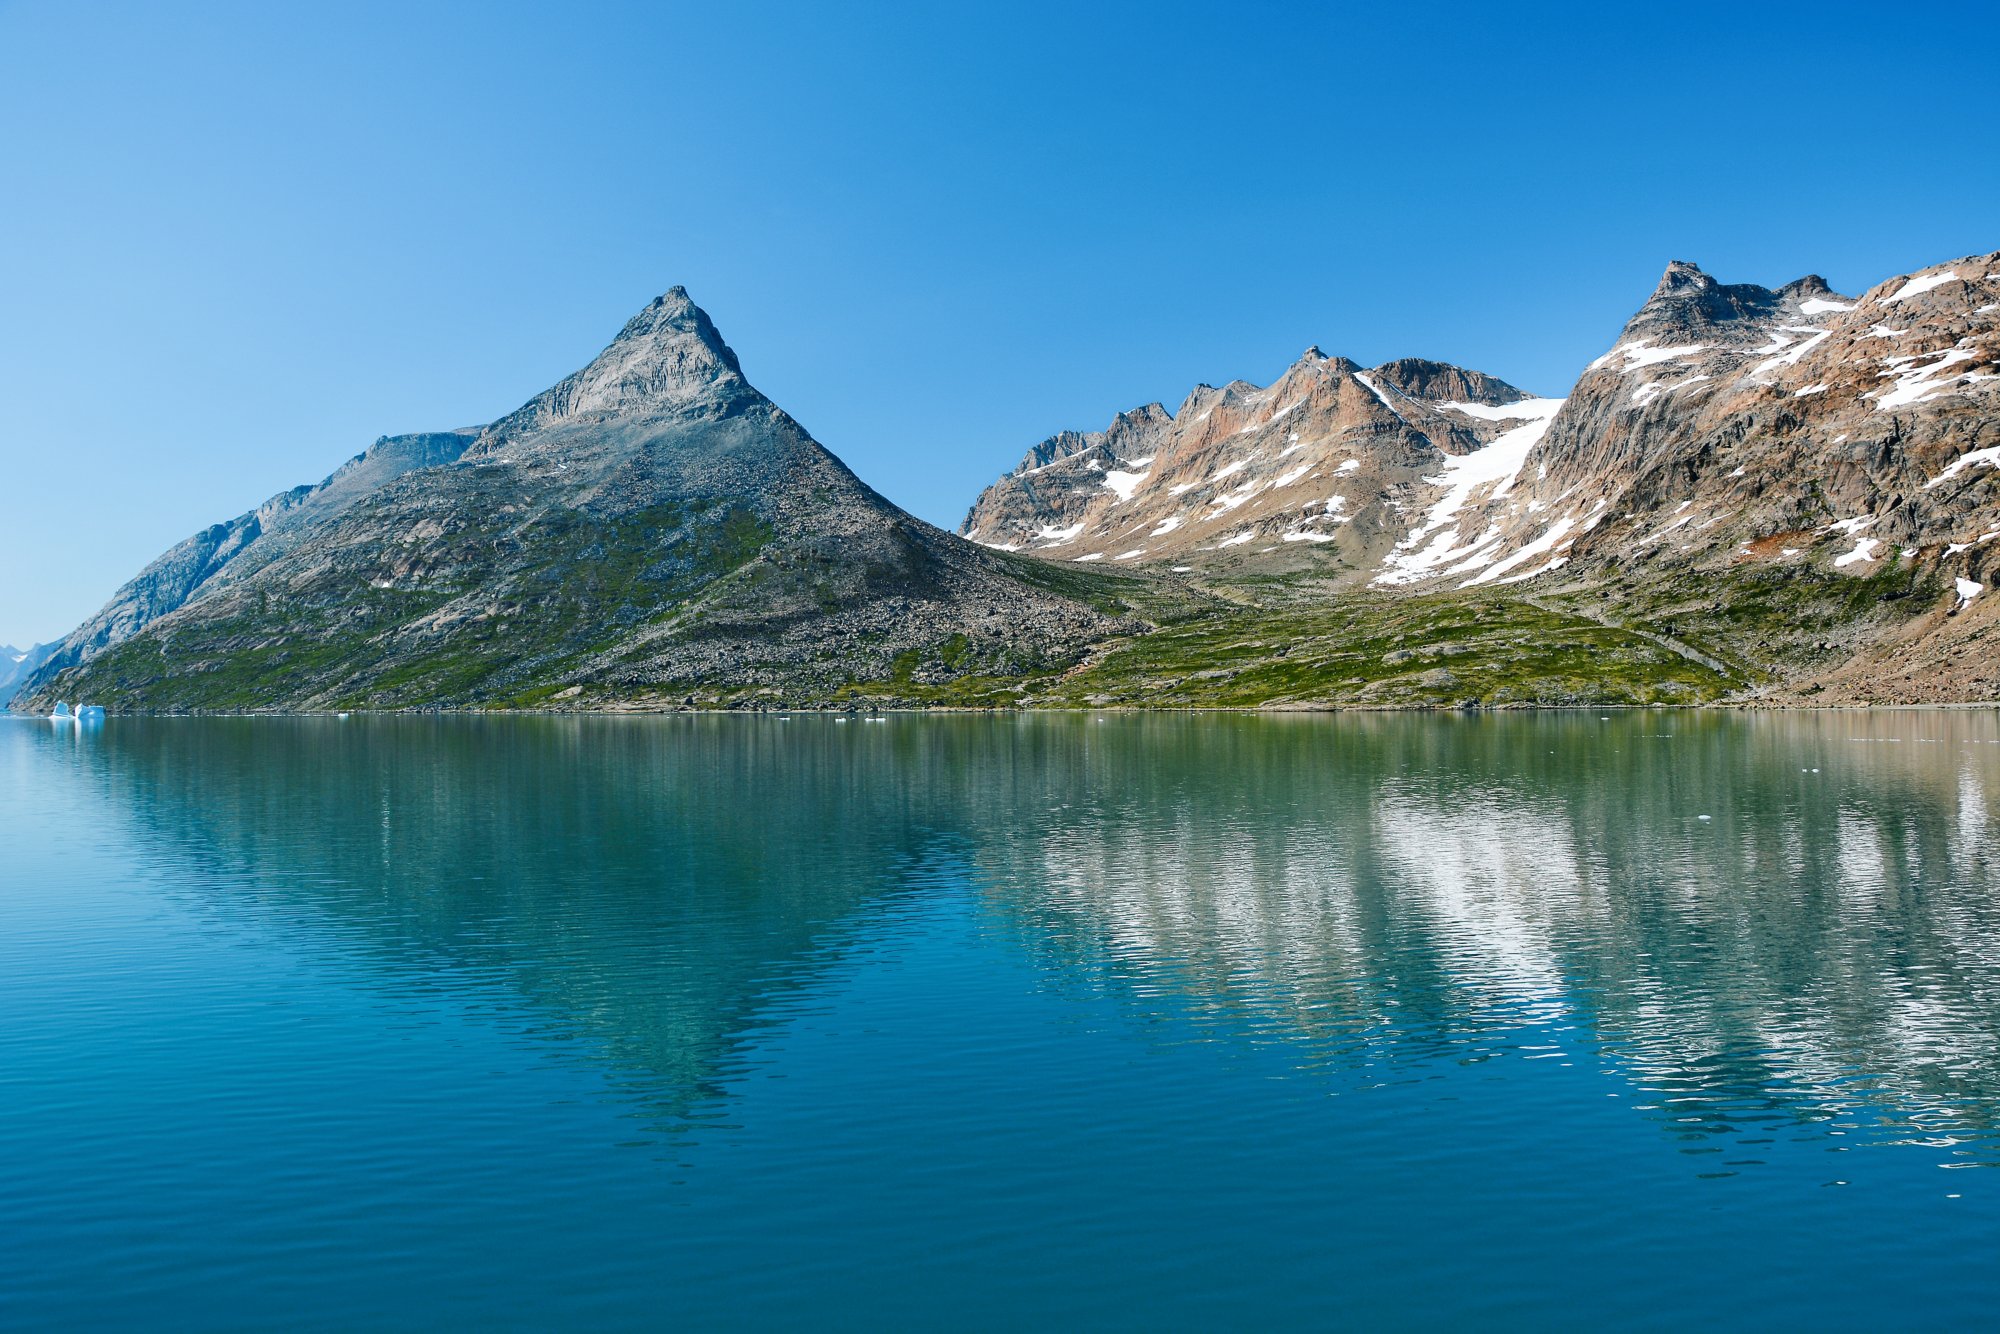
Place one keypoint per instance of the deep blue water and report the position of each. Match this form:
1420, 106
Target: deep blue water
1001, 1023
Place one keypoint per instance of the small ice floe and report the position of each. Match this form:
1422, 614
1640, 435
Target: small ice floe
874, 720
343, 715
90, 713
1704, 817
61, 714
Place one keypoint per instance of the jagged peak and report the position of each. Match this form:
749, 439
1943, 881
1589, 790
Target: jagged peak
1440, 381
1149, 414
1809, 286
1683, 276
1688, 302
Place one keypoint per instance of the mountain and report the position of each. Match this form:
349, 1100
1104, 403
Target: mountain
1739, 444
1777, 494
651, 531
1792, 489
18, 664
1316, 470
1734, 424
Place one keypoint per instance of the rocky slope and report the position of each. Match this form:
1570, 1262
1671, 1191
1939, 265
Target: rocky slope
1317, 470
648, 531
1735, 425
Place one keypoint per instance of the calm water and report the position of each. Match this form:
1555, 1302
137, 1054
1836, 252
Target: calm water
1002, 1023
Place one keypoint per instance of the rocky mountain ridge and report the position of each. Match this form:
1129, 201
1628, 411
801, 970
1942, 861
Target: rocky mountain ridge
1318, 466
1450, 477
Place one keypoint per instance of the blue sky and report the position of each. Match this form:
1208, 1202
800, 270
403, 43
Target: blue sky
237, 243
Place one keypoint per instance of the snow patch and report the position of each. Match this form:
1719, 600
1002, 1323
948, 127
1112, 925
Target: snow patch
1545, 543
1820, 306
1496, 466
1914, 382
1652, 389
1529, 408
1978, 458
1640, 354
1238, 540
1790, 357
1917, 286
1864, 550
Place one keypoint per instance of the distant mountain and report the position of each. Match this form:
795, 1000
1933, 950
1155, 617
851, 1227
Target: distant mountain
18, 664
648, 531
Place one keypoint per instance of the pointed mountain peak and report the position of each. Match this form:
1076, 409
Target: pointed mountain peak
673, 324
667, 359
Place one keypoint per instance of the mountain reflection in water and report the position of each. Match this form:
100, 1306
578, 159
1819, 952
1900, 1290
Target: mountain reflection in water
1369, 894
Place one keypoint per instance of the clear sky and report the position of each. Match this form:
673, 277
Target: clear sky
237, 243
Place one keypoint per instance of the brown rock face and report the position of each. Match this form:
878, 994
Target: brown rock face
1739, 424
1318, 468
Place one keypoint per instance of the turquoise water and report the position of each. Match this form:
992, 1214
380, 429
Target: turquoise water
1139, 1022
